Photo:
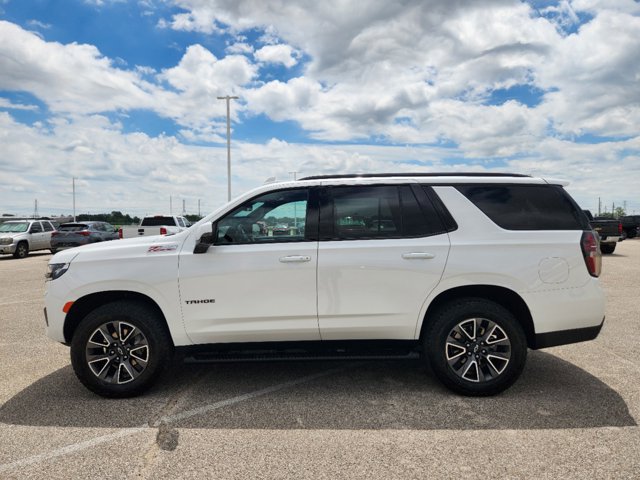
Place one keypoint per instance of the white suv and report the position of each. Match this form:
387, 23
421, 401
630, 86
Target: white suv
466, 270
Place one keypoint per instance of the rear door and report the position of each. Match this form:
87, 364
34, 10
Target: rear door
381, 253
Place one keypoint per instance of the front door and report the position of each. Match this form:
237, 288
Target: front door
257, 282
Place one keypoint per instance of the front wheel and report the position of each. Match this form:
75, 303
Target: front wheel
120, 349
475, 347
22, 250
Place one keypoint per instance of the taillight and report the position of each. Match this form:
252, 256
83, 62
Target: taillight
120, 232
620, 228
163, 231
591, 250
84, 233
54, 233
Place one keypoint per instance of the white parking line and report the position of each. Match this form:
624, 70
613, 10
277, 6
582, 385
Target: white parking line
76, 447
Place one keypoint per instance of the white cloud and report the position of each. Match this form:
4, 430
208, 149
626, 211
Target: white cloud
5, 103
70, 78
282, 54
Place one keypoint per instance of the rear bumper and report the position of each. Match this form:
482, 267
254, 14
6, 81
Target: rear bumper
565, 337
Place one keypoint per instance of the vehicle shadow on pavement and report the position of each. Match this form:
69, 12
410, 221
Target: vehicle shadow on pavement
551, 394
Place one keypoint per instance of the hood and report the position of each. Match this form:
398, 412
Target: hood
10, 234
132, 247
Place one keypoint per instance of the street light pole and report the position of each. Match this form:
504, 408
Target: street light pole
227, 98
73, 185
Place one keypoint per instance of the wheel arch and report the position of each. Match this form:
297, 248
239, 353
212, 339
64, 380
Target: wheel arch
500, 295
90, 302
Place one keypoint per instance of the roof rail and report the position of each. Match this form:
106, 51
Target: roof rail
404, 174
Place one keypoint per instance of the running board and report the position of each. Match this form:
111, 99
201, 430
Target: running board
300, 351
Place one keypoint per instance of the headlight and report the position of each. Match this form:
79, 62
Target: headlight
56, 270
6, 241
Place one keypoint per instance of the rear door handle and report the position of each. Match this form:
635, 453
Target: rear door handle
418, 255
295, 259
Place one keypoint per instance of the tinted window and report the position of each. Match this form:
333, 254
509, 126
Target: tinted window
382, 211
180, 222
526, 207
47, 227
72, 227
272, 218
36, 227
418, 220
157, 221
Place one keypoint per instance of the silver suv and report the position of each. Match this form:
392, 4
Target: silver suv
19, 237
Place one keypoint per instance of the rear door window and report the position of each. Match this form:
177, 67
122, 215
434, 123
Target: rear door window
377, 212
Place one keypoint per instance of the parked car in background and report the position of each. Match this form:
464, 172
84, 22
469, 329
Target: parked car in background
155, 225
71, 235
609, 230
19, 237
631, 225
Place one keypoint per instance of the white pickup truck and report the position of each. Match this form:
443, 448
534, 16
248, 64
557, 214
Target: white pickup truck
155, 225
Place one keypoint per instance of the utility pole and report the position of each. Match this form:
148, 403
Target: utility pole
73, 186
199, 208
35, 209
184, 209
599, 206
295, 175
228, 98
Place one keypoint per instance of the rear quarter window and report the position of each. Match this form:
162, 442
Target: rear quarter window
526, 207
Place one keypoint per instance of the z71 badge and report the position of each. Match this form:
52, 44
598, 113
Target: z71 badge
162, 248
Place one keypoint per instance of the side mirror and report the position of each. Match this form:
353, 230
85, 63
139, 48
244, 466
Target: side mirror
206, 238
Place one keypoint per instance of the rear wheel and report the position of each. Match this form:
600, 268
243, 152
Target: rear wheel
120, 349
607, 247
475, 347
22, 250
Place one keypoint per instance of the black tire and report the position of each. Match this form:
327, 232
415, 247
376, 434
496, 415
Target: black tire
53, 250
607, 247
122, 367
496, 336
22, 250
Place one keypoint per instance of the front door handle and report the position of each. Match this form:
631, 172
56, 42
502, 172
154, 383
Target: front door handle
295, 259
418, 255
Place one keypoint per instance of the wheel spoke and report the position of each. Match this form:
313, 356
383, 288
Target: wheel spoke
99, 338
471, 372
98, 365
496, 334
125, 374
124, 331
140, 353
468, 327
454, 351
498, 363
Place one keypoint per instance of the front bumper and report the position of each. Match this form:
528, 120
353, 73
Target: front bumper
8, 248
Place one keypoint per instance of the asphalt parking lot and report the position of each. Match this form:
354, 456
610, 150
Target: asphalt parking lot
573, 414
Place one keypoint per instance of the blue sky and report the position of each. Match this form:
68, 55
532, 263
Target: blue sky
123, 96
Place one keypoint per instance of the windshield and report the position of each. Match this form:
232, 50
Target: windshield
15, 227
